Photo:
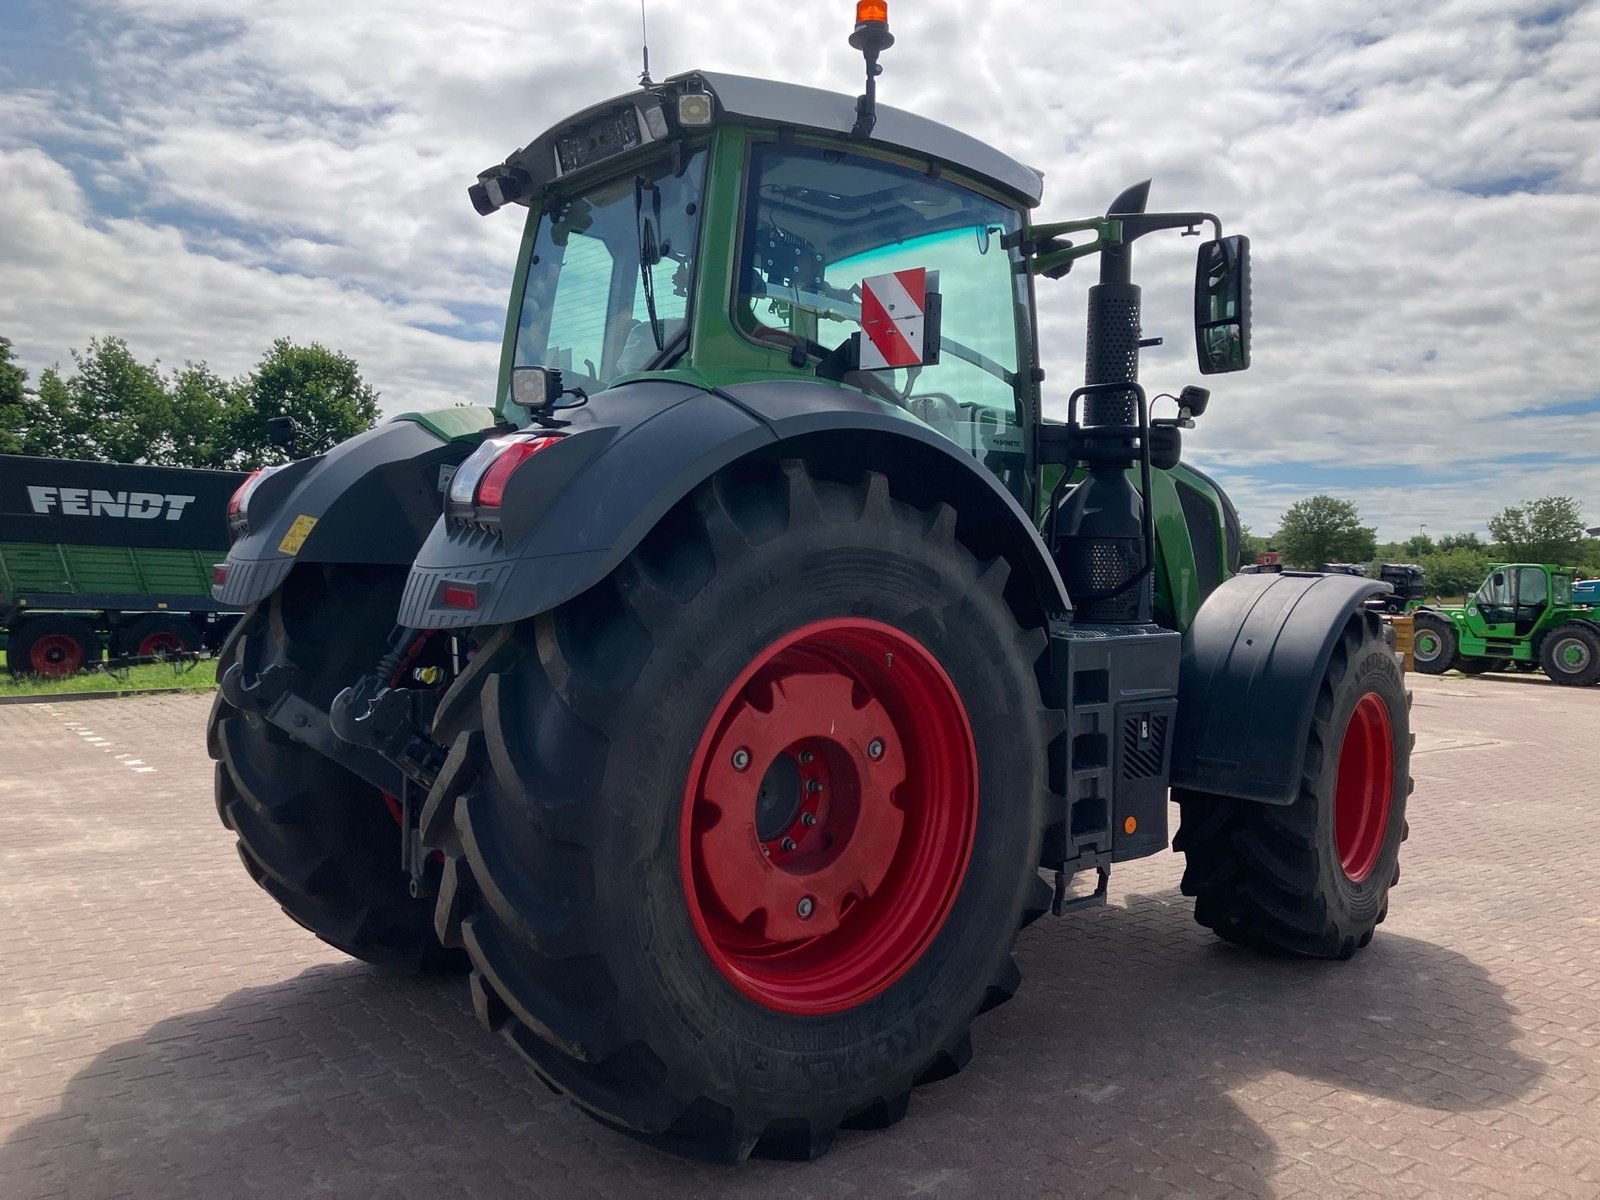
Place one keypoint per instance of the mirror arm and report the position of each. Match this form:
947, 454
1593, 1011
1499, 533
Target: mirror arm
1136, 225
1046, 252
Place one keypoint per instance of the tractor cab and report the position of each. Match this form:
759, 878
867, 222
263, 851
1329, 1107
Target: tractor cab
723, 231
1515, 597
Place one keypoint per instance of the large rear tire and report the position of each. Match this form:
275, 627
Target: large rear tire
1433, 644
318, 840
1312, 878
739, 840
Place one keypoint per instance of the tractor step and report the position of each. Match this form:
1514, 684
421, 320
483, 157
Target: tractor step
1061, 903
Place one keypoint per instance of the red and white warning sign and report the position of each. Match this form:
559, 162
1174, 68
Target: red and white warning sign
893, 309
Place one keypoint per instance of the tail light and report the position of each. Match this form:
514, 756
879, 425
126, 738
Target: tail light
242, 495
239, 503
478, 487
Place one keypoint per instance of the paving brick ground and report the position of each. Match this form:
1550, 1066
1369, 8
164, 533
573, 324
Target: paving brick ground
165, 1032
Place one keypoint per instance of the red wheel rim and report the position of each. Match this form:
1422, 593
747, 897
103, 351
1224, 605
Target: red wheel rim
160, 643
56, 654
1365, 787
829, 816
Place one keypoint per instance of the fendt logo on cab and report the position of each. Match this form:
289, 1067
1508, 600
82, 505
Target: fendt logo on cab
92, 502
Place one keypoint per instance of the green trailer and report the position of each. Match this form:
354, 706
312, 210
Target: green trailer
108, 557
1524, 616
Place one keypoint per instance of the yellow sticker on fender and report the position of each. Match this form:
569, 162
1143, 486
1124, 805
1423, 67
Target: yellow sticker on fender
297, 535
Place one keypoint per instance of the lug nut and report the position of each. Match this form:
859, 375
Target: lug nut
787, 844
806, 906
813, 786
741, 759
875, 749
808, 819
806, 756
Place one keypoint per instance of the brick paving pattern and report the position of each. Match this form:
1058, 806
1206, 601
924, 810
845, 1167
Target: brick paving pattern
166, 1032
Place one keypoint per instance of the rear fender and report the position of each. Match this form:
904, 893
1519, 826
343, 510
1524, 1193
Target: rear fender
634, 452
371, 499
1248, 681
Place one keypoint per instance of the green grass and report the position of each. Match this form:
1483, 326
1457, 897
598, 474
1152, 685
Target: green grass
199, 678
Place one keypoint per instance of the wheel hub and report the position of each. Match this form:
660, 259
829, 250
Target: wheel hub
829, 816
1574, 655
55, 654
1364, 788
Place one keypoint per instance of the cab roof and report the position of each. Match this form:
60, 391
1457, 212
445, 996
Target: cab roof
765, 102
772, 102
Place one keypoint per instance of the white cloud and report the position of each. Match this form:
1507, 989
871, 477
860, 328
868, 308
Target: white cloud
220, 175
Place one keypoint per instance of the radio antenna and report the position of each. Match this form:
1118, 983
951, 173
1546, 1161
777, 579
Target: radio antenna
644, 35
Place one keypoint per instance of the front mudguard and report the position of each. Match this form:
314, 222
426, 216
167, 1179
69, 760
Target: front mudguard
634, 452
1251, 667
371, 499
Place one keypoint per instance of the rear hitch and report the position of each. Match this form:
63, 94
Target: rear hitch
393, 722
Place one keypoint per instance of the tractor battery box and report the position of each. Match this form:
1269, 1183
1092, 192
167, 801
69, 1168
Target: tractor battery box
1118, 685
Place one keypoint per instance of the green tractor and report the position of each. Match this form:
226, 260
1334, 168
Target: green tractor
727, 697
1524, 617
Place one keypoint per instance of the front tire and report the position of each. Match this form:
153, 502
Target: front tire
1433, 644
1312, 877
318, 840
638, 809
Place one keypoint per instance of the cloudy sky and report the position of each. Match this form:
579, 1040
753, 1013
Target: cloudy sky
1420, 180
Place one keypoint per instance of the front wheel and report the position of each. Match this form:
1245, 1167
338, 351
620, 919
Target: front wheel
1571, 655
1313, 877
1433, 644
739, 840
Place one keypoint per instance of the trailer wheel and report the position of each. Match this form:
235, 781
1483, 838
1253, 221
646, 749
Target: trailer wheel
52, 647
318, 840
157, 634
739, 840
1433, 644
1570, 654
1312, 877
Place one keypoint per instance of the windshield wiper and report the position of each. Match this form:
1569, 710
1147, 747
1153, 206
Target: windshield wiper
649, 252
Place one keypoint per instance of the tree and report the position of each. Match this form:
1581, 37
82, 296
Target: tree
321, 389
1323, 529
203, 404
1454, 572
1250, 547
1461, 541
13, 401
46, 417
1548, 530
1417, 547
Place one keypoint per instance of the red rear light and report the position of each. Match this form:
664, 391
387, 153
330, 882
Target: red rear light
219, 574
236, 502
455, 595
491, 488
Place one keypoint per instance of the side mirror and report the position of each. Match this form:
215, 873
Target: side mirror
282, 433
536, 388
1222, 305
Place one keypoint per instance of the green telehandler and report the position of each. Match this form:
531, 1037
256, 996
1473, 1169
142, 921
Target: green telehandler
1523, 617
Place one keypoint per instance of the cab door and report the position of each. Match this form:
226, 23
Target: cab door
1533, 599
1492, 612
